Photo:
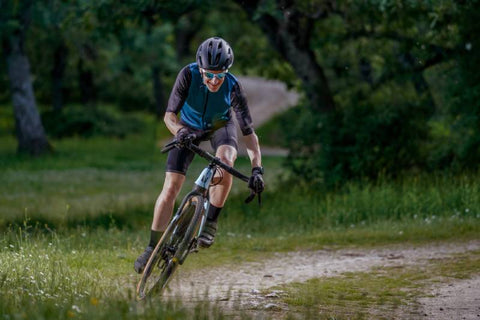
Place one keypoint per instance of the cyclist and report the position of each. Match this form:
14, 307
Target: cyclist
204, 94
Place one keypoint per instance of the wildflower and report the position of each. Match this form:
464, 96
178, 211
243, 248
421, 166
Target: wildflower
93, 301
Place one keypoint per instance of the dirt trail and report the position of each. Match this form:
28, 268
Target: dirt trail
267, 98
456, 300
243, 285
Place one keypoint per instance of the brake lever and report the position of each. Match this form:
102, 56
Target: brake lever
177, 144
169, 146
252, 195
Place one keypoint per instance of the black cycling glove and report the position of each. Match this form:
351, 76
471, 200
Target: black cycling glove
187, 133
256, 180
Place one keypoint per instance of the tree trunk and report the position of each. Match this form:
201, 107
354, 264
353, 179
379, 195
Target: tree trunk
86, 84
290, 35
158, 93
30, 132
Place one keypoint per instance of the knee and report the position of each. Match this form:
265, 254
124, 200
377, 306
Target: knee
227, 160
169, 193
227, 155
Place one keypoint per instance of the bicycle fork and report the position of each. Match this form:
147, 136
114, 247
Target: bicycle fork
202, 185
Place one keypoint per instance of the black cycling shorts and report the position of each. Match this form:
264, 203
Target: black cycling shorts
179, 160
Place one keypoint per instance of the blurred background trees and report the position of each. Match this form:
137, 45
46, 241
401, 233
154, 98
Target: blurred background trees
389, 86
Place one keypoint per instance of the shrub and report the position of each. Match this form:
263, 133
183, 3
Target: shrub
88, 122
369, 137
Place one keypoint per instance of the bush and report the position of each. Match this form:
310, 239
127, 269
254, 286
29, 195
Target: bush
465, 94
363, 138
88, 122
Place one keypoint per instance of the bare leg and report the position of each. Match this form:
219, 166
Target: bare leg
219, 193
166, 200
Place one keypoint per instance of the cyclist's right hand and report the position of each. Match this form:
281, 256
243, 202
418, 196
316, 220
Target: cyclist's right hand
187, 134
256, 183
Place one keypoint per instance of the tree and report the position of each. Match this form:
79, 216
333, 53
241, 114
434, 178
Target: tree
52, 19
29, 129
289, 29
372, 57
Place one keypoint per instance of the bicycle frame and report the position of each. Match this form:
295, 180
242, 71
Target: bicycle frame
204, 180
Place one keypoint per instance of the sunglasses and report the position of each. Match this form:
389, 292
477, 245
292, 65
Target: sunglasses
210, 75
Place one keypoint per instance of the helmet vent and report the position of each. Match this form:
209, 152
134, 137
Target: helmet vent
217, 59
215, 54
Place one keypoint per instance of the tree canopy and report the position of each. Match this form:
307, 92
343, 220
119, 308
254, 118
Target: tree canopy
388, 85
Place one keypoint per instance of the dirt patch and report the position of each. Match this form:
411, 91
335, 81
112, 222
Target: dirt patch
244, 285
455, 300
267, 97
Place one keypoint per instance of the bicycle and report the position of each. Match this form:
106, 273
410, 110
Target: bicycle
181, 235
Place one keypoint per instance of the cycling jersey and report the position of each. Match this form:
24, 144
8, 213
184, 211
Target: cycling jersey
201, 109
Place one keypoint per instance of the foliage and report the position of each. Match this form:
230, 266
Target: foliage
388, 117
460, 143
429, 202
380, 134
88, 122
275, 131
7, 125
397, 73
253, 53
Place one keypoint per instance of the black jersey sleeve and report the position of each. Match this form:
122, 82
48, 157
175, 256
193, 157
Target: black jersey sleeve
180, 90
240, 106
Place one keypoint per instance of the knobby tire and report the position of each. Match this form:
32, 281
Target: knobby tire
173, 247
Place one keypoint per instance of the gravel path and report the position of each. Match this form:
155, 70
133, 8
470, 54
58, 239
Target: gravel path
242, 286
455, 300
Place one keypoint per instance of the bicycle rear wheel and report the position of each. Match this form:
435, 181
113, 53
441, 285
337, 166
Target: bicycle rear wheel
173, 247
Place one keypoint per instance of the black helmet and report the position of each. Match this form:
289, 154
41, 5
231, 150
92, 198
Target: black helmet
215, 54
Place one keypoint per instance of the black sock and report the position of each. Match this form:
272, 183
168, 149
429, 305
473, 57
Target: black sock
154, 237
213, 213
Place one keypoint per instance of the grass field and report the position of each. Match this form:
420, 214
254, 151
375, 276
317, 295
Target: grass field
72, 224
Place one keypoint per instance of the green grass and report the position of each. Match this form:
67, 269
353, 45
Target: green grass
93, 181
73, 222
85, 275
382, 293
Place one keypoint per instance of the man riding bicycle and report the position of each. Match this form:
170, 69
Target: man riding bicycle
204, 94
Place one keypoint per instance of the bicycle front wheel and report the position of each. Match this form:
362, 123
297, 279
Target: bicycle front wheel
173, 247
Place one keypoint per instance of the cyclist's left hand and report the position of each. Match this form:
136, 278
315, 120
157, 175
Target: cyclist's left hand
256, 180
